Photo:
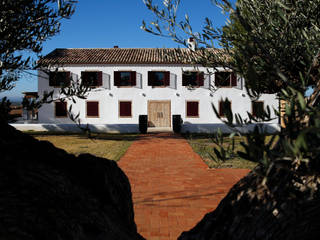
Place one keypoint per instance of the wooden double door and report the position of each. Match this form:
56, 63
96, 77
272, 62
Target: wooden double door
159, 113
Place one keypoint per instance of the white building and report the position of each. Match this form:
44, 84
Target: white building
156, 82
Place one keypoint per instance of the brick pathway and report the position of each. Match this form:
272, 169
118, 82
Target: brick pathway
172, 188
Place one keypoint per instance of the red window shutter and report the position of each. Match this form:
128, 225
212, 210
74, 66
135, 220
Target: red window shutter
66, 79
117, 78
166, 78
185, 79
52, 79
233, 79
58, 79
223, 107
200, 78
92, 109
257, 109
150, 78
61, 109
84, 78
133, 77
125, 109
221, 114
99, 79
192, 109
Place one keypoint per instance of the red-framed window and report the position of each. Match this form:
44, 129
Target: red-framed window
125, 109
225, 79
92, 109
59, 79
124, 78
257, 109
91, 78
192, 109
158, 79
190, 78
224, 107
61, 109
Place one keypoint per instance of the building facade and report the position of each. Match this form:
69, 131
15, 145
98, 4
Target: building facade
127, 83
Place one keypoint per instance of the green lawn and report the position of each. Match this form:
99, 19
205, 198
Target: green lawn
203, 145
110, 146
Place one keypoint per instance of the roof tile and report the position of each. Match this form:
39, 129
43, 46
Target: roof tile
120, 56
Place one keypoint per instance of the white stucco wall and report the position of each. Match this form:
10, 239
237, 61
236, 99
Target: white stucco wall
109, 99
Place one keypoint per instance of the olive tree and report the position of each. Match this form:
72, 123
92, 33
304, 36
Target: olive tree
274, 45
24, 26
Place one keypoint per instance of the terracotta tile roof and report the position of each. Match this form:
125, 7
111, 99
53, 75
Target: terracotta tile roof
120, 56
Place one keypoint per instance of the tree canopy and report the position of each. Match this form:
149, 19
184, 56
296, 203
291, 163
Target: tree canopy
24, 26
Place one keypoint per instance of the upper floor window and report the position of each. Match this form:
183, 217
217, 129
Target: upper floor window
91, 79
225, 79
192, 78
59, 79
124, 78
158, 79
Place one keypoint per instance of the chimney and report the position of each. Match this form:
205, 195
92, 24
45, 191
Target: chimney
116, 46
191, 43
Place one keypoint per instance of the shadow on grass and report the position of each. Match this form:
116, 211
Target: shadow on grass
94, 136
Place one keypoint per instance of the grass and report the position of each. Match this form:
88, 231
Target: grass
110, 146
204, 146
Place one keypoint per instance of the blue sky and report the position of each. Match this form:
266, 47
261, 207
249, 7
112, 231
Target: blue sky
106, 23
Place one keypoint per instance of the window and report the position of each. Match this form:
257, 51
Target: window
91, 79
192, 78
158, 79
125, 109
225, 79
224, 107
92, 109
59, 79
192, 109
122, 78
257, 109
61, 109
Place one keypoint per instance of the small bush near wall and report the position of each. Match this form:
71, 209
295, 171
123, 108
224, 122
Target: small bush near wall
176, 121
143, 123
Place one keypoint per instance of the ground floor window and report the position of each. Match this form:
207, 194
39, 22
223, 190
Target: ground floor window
125, 109
192, 109
92, 109
61, 109
224, 107
257, 109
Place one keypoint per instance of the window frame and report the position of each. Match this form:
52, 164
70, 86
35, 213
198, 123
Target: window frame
186, 103
55, 109
198, 79
220, 110
119, 109
232, 76
66, 80
98, 80
92, 101
252, 104
132, 78
166, 79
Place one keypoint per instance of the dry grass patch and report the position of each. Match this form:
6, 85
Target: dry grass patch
110, 146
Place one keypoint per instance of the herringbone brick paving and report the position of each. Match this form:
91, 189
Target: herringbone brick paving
172, 187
